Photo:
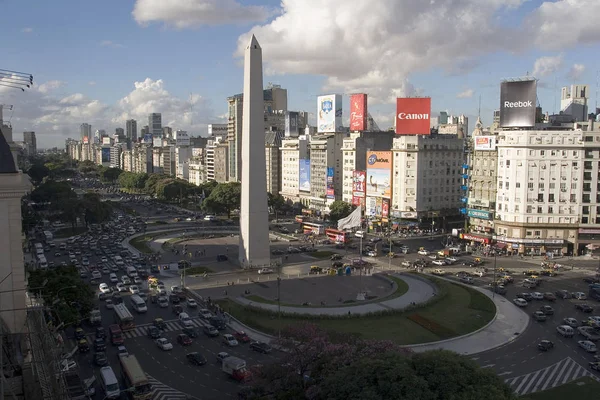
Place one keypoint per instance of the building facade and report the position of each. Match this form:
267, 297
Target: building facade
131, 132
221, 162
292, 151
30, 143
273, 161
155, 125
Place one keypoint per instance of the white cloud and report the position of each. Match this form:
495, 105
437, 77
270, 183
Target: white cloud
466, 94
548, 65
110, 43
27, 30
576, 72
92, 83
192, 13
55, 116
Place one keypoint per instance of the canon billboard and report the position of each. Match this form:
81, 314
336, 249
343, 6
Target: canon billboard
412, 116
517, 104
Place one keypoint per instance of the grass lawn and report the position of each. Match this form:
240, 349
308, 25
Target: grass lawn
197, 271
141, 243
582, 388
457, 310
322, 254
402, 288
68, 232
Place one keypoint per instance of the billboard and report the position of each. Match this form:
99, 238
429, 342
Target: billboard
357, 201
106, 140
358, 112
379, 174
329, 183
517, 104
385, 208
105, 154
371, 206
479, 214
157, 141
304, 175
412, 115
85, 140
485, 143
291, 124
359, 187
147, 138
182, 140
329, 113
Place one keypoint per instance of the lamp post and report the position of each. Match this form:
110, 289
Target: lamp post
495, 285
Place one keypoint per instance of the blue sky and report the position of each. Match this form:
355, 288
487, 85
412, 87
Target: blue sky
86, 55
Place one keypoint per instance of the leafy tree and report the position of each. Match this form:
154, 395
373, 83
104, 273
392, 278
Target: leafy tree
110, 174
339, 209
87, 167
37, 172
95, 210
152, 182
53, 192
69, 304
224, 198
276, 203
70, 210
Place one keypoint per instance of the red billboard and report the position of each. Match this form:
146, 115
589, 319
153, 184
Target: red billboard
358, 112
412, 115
359, 183
85, 140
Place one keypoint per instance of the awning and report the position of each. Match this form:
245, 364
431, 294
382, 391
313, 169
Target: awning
501, 245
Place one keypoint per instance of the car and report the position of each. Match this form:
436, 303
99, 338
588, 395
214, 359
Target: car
261, 347
537, 296
196, 358
122, 351
592, 321
539, 316
438, 262
100, 359
125, 279
210, 331
572, 322
589, 333
423, 252
113, 278
134, 289
229, 340
467, 279
100, 332
163, 344
153, 332
222, 355
108, 303
205, 314
191, 303
579, 296
565, 331
159, 323
190, 331
99, 344
595, 365
163, 302
547, 310
83, 346
586, 308
438, 272
525, 296
121, 287
549, 296
105, 270
519, 302
177, 309
241, 336
174, 298
264, 271
587, 345
185, 319
137, 280
545, 345
175, 289
184, 339
336, 257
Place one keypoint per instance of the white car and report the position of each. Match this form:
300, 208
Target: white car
137, 280
163, 344
229, 340
265, 271
537, 295
134, 289
452, 259
96, 275
565, 331
122, 351
121, 287
85, 262
579, 296
205, 314
113, 278
406, 264
109, 304
192, 303
104, 288
185, 320
519, 302
588, 346
126, 280
438, 262
572, 322
163, 302
423, 252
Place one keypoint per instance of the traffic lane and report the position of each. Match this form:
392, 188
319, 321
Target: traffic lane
207, 381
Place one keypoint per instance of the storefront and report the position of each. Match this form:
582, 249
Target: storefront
588, 241
535, 247
485, 240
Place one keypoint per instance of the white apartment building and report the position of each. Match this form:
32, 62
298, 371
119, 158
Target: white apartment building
325, 152
182, 159
426, 176
197, 171
547, 198
292, 151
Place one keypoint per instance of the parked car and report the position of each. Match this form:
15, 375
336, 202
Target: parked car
565, 331
261, 347
519, 302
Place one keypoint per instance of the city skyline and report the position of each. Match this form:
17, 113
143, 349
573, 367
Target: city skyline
198, 63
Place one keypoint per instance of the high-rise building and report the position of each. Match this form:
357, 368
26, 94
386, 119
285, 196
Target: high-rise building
221, 162
155, 125
217, 130
294, 151
574, 101
120, 132
30, 143
167, 132
131, 130
85, 131
325, 164
273, 161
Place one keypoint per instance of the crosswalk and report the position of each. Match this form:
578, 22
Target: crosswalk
170, 326
560, 373
160, 391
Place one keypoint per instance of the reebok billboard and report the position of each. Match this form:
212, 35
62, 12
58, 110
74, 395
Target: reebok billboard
517, 104
412, 116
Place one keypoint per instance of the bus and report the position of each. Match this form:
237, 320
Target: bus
336, 236
110, 384
135, 378
123, 317
312, 228
138, 303
39, 249
300, 218
118, 260
48, 236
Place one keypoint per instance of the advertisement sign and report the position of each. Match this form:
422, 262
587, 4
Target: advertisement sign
291, 124
385, 208
478, 202
147, 138
479, 214
304, 175
329, 113
182, 140
359, 187
379, 174
356, 201
409, 214
330, 187
106, 140
85, 140
485, 143
105, 154
157, 141
517, 103
412, 116
473, 238
358, 112
371, 206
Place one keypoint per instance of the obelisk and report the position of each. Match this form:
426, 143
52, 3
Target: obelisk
254, 213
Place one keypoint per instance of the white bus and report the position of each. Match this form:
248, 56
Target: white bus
110, 384
118, 260
42, 263
123, 317
138, 304
39, 248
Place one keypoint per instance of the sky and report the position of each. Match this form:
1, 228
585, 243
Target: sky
103, 62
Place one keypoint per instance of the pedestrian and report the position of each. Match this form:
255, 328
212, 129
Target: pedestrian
225, 292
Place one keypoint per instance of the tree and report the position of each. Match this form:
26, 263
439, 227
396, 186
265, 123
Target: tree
110, 174
276, 203
95, 210
152, 182
37, 172
87, 167
224, 198
53, 192
69, 304
339, 209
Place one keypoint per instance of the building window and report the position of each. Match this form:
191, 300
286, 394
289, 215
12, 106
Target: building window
528, 233
537, 233
517, 208
541, 185
539, 210
540, 197
529, 209
530, 185
584, 220
573, 186
551, 198
587, 176
518, 185
586, 198
585, 210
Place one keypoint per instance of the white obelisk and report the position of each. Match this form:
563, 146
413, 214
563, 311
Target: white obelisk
254, 213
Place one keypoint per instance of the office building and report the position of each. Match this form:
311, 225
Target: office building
220, 168
167, 132
273, 161
294, 151
85, 131
217, 130
131, 130
155, 125
574, 101
30, 143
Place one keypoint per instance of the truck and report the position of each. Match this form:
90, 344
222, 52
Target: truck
95, 317
76, 388
236, 368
